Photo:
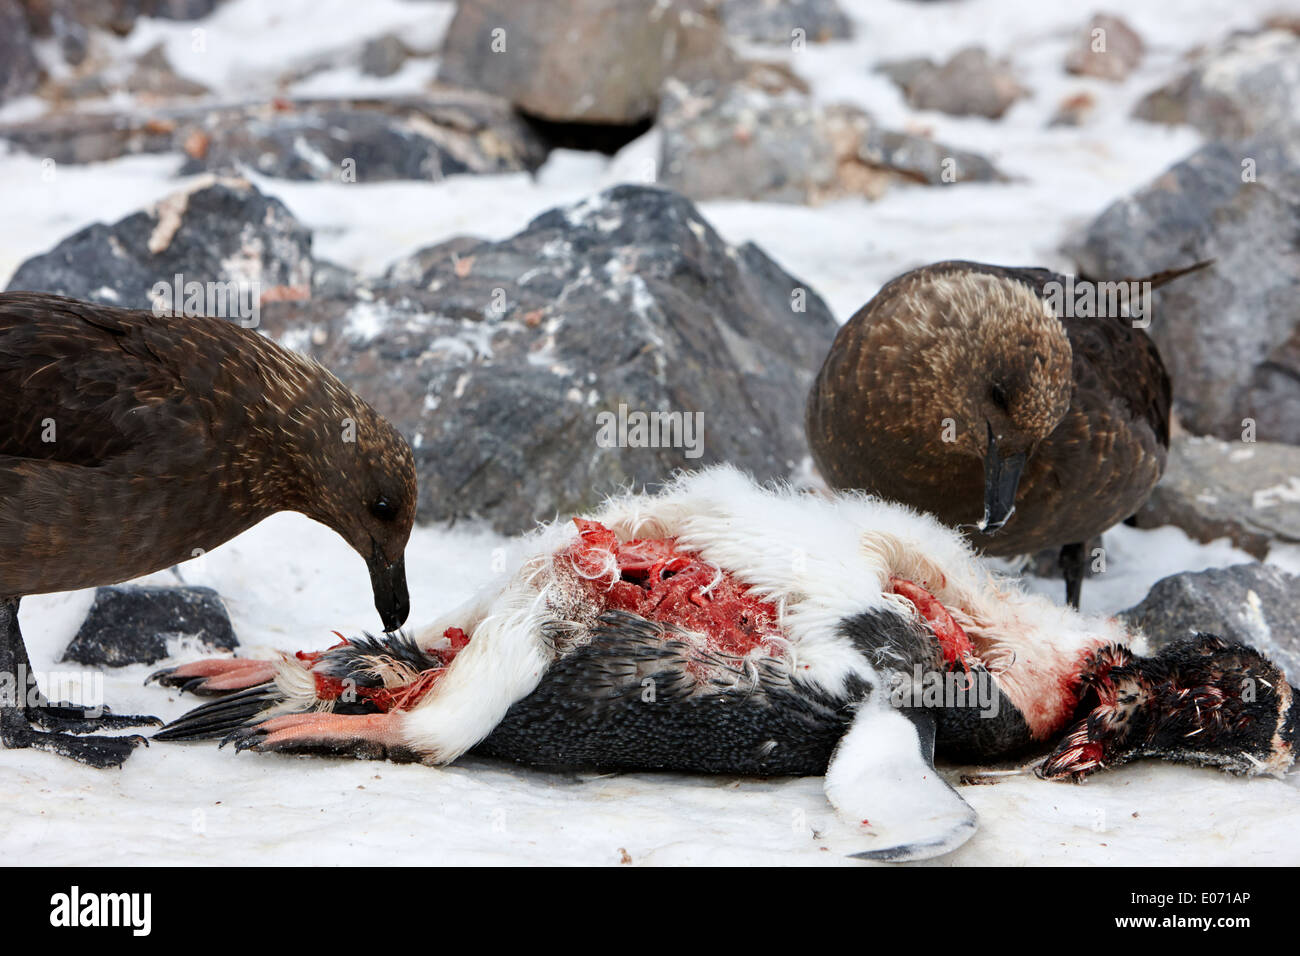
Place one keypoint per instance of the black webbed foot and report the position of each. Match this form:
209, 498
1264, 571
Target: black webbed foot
93, 751
66, 718
219, 717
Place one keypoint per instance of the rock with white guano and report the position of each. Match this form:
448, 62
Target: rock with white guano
1247, 86
1248, 492
608, 343
1254, 604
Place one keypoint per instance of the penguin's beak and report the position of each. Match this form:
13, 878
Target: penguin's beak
1001, 479
389, 584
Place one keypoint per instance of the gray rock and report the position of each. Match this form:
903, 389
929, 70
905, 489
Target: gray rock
20, 72
411, 270
925, 161
90, 137
1109, 48
505, 360
971, 83
330, 279
440, 133
132, 625
1254, 604
444, 134
220, 231
1250, 85
583, 61
904, 72
775, 21
739, 142
383, 56
1223, 332
1248, 492
772, 77
1274, 397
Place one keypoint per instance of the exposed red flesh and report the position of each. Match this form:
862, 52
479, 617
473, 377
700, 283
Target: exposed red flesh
401, 697
953, 642
656, 579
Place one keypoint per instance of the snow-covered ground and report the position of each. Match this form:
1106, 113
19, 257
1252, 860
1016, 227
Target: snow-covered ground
289, 582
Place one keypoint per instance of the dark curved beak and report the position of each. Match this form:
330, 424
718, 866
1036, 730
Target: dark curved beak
1001, 479
389, 584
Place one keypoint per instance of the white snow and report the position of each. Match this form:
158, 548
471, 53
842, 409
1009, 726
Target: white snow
289, 582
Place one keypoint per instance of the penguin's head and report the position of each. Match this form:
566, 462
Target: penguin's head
1199, 700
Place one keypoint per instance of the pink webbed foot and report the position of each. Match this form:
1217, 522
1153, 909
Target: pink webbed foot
363, 736
215, 676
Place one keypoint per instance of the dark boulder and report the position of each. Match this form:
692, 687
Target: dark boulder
1255, 604
1226, 333
383, 56
583, 61
133, 625
1250, 85
1248, 492
442, 132
1109, 48
970, 83
501, 361
91, 137
221, 231
737, 141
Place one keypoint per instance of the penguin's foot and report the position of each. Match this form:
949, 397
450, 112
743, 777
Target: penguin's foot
217, 718
213, 677
16, 733
362, 736
330, 693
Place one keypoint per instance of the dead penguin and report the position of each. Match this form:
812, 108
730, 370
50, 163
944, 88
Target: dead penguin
130, 441
722, 627
958, 390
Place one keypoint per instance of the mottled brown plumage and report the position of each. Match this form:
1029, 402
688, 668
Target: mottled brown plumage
955, 375
130, 441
